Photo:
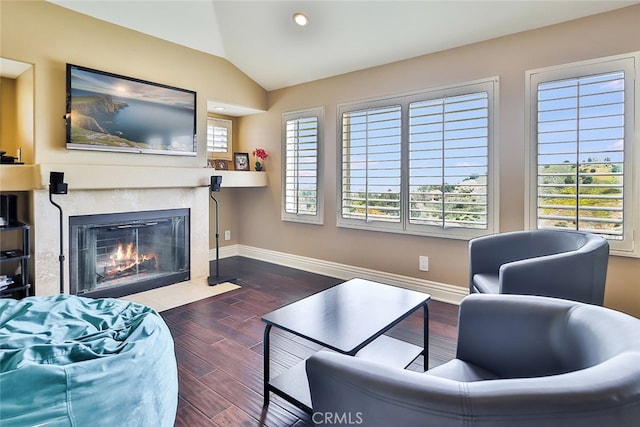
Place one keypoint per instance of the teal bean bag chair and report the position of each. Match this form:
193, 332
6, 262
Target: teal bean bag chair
73, 361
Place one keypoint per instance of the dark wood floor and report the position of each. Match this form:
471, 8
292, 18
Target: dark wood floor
218, 344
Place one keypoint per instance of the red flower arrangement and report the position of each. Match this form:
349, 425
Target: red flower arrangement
260, 154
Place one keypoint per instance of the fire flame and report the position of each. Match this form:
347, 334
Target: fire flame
125, 258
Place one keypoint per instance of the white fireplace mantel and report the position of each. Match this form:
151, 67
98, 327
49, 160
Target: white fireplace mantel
98, 189
79, 202
101, 177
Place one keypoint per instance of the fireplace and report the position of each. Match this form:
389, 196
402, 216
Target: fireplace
113, 255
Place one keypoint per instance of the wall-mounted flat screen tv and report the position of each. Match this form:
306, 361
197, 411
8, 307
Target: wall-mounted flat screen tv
110, 112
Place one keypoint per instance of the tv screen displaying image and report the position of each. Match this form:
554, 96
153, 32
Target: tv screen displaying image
110, 112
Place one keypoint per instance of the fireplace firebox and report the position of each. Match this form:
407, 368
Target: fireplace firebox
113, 255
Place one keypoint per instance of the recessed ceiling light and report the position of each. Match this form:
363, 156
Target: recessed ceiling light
219, 108
300, 19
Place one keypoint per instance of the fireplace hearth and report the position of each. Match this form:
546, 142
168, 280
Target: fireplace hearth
113, 255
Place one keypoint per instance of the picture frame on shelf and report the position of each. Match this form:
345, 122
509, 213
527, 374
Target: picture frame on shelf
241, 161
220, 164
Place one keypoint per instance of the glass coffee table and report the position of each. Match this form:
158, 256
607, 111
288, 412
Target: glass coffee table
349, 318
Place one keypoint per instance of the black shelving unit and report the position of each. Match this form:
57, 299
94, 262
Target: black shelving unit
11, 258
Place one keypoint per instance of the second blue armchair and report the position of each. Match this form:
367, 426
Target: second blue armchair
554, 263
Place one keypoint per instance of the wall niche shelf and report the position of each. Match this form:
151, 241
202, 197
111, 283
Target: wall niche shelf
241, 178
19, 177
103, 177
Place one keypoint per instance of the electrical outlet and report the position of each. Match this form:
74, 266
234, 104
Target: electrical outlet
423, 263
227, 235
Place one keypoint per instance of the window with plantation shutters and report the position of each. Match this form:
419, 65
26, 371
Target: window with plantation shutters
582, 130
448, 161
301, 190
371, 164
219, 140
420, 163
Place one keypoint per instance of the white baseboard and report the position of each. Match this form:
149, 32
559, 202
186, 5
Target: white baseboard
439, 291
225, 252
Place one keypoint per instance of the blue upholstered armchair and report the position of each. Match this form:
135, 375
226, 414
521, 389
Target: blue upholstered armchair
521, 360
554, 263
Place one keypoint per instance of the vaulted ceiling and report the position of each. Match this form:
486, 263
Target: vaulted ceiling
261, 39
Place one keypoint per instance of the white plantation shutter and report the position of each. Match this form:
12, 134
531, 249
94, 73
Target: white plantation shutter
582, 121
449, 160
371, 164
420, 163
581, 154
301, 174
301, 191
219, 137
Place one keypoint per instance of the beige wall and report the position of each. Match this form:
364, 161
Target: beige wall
50, 36
25, 115
509, 58
8, 116
16, 115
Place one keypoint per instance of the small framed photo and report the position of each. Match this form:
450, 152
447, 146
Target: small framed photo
221, 165
241, 161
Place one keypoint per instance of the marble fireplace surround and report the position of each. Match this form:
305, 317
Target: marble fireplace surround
97, 189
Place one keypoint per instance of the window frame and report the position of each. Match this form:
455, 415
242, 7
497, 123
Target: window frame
318, 218
357, 223
489, 85
223, 123
629, 64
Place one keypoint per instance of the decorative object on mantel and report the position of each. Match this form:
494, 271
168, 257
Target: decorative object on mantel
11, 160
260, 154
241, 161
221, 165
